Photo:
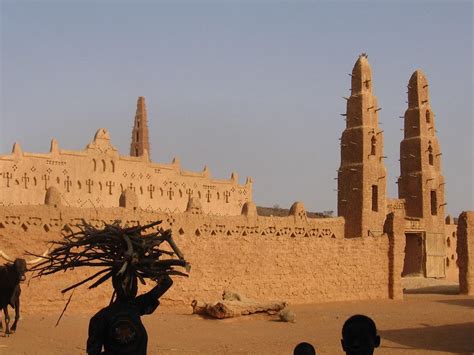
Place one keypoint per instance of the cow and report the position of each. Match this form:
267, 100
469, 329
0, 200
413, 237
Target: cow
11, 274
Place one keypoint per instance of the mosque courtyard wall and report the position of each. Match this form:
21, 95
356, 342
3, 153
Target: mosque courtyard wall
295, 258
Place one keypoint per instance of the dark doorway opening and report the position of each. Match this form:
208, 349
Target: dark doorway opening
414, 254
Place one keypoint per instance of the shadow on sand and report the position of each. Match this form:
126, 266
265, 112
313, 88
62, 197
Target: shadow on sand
439, 290
455, 338
464, 302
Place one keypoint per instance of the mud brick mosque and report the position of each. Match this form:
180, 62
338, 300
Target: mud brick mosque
363, 253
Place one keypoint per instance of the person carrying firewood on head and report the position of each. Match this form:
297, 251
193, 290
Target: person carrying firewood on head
118, 327
124, 255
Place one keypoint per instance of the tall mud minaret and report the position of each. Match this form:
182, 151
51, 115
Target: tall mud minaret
421, 182
362, 175
140, 141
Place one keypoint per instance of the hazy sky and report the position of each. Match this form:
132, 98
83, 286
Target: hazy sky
251, 87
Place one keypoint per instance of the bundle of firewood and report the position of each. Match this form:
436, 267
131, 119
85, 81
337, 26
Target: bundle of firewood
116, 250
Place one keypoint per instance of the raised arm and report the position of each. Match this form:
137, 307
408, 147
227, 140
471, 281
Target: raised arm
162, 285
149, 301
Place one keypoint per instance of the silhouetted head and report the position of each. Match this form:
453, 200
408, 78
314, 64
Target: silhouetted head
20, 268
304, 349
125, 286
359, 336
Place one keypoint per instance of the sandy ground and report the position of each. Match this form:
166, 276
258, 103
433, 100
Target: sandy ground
420, 324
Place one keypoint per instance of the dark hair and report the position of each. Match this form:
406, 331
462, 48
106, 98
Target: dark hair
359, 319
125, 285
304, 349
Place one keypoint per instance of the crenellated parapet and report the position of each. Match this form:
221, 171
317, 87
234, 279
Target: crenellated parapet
55, 217
97, 176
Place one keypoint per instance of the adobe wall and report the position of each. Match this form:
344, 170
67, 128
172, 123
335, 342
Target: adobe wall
96, 176
394, 228
292, 258
465, 250
452, 269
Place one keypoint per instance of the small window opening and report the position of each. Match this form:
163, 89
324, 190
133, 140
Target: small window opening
428, 116
430, 155
434, 203
375, 198
373, 145
138, 135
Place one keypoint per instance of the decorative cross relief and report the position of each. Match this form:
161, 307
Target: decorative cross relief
226, 196
189, 192
151, 189
25, 179
170, 193
67, 183
110, 184
89, 184
131, 187
45, 178
7, 175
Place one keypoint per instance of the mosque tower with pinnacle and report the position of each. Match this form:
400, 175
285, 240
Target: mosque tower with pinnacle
362, 174
140, 141
421, 183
